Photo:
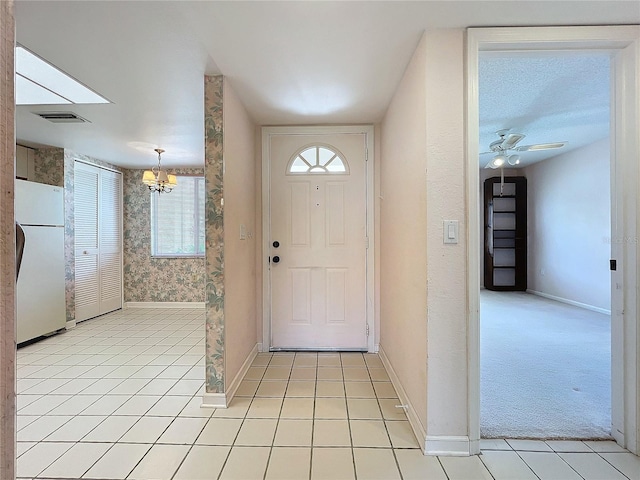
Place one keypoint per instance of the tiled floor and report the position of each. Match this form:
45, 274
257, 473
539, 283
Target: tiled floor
119, 397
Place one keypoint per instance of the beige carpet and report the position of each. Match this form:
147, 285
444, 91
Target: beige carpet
545, 368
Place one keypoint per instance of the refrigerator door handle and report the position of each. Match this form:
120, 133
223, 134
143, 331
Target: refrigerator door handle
19, 247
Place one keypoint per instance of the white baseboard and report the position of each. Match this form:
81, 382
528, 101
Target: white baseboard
417, 427
70, 324
215, 400
164, 305
452, 446
235, 383
260, 347
570, 302
222, 400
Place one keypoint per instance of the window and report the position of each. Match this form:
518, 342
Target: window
177, 220
317, 159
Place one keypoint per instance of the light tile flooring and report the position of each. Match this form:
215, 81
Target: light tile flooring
119, 397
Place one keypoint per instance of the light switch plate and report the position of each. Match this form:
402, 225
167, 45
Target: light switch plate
450, 231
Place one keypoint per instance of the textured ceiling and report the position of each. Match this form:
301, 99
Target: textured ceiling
549, 97
292, 62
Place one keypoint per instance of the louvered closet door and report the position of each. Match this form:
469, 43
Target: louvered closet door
110, 241
86, 181
98, 237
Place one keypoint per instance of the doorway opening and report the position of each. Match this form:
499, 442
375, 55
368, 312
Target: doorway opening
622, 44
545, 327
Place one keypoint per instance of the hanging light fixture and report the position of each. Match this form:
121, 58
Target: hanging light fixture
157, 179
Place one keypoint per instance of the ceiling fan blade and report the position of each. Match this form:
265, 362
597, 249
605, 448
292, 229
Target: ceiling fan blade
540, 146
484, 153
511, 140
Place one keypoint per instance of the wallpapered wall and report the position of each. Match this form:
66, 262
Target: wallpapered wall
48, 166
213, 153
149, 279
69, 237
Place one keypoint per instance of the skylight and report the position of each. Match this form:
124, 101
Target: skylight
40, 83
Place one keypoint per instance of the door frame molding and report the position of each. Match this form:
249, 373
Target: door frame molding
624, 44
267, 134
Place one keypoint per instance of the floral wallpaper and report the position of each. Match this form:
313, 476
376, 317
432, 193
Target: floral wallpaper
148, 279
69, 237
48, 165
215, 340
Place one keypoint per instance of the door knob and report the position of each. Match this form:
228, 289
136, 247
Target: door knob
276, 244
276, 259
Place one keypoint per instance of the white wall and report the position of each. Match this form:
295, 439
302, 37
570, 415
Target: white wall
403, 234
569, 226
239, 209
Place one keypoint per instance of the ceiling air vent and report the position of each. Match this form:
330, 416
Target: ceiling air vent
62, 117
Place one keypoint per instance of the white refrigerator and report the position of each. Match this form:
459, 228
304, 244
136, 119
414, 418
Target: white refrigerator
41, 310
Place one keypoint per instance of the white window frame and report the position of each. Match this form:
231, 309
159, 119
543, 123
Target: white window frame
199, 190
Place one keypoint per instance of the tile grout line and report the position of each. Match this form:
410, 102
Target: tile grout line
384, 423
487, 468
313, 416
446, 474
273, 438
612, 465
346, 403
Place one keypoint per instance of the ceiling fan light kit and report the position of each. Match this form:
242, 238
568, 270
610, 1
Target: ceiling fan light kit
497, 161
513, 159
508, 141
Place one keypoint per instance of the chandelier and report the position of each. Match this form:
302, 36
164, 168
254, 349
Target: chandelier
157, 179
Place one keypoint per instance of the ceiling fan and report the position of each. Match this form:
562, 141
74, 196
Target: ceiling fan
509, 141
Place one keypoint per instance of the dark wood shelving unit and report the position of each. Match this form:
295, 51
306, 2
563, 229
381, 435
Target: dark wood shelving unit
505, 228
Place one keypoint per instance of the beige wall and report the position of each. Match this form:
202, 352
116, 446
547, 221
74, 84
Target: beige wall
446, 263
239, 209
258, 235
423, 299
403, 233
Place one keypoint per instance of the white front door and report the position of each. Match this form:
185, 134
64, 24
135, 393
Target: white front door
318, 241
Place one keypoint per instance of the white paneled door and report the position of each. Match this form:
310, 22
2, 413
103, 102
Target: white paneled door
318, 241
98, 240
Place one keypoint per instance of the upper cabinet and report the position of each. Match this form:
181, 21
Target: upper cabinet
25, 158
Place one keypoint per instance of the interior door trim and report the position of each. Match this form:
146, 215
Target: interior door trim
623, 43
267, 134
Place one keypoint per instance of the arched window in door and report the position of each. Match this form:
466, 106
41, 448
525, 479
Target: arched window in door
318, 159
